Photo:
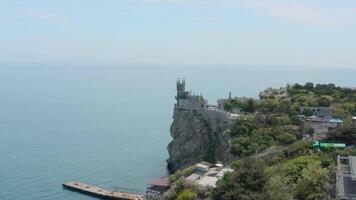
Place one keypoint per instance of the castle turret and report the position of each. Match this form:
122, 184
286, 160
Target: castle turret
180, 85
187, 100
181, 93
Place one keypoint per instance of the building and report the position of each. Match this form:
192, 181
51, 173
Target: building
201, 168
212, 113
208, 176
321, 125
156, 187
346, 178
317, 111
187, 100
324, 146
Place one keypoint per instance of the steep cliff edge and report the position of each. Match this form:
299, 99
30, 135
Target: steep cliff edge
197, 138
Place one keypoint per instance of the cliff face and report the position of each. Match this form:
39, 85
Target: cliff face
195, 139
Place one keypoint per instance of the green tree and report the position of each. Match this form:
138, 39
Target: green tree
278, 188
286, 138
314, 184
345, 133
309, 86
243, 146
245, 183
307, 112
250, 106
186, 194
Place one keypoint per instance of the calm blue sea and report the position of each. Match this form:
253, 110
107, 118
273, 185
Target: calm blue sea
107, 125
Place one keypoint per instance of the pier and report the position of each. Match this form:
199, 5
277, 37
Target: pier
99, 192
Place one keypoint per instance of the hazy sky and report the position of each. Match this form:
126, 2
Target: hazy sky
310, 33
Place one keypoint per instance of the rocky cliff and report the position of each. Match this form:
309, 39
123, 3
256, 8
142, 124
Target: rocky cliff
197, 138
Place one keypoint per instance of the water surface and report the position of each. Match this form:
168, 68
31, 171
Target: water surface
107, 125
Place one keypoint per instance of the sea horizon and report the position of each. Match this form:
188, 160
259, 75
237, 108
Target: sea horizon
108, 126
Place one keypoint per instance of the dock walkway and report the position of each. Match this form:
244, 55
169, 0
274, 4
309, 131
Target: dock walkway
99, 192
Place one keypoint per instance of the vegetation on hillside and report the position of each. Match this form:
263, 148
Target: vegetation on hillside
297, 173
255, 134
303, 177
293, 173
341, 100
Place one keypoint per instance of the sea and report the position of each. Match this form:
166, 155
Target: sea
108, 124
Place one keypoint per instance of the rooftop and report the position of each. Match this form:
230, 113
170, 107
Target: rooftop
210, 177
207, 181
162, 182
202, 166
332, 145
336, 120
223, 171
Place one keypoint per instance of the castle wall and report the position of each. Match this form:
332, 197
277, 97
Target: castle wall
214, 116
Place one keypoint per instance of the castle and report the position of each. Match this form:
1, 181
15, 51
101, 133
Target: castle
188, 101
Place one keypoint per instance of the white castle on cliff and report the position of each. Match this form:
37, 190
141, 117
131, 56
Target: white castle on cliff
188, 101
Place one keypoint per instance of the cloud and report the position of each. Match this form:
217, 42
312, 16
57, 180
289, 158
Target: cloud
309, 12
50, 18
293, 11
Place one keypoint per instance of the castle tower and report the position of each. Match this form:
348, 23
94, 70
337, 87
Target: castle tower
180, 86
181, 93
186, 99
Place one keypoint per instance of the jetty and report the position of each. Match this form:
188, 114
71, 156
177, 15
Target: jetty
100, 192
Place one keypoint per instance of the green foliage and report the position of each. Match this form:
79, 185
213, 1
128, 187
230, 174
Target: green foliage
243, 146
295, 173
324, 95
292, 169
182, 189
307, 112
176, 188
181, 174
256, 134
314, 184
308, 130
199, 190
280, 106
243, 127
325, 162
341, 100
345, 133
277, 188
245, 183
186, 194
296, 149
302, 177
286, 138
245, 105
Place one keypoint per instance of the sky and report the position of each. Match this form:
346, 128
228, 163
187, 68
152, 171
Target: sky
299, 33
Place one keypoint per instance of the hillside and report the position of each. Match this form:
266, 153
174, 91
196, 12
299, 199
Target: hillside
268, 144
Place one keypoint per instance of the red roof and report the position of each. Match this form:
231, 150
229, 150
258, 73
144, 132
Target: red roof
163, 182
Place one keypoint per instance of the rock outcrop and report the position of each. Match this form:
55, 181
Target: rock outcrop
197, 138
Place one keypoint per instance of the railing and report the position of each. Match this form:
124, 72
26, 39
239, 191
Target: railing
213, 108
128, 190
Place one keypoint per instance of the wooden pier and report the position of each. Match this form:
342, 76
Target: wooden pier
99, 192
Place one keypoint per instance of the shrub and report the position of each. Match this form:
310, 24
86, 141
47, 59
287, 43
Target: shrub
186, 194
